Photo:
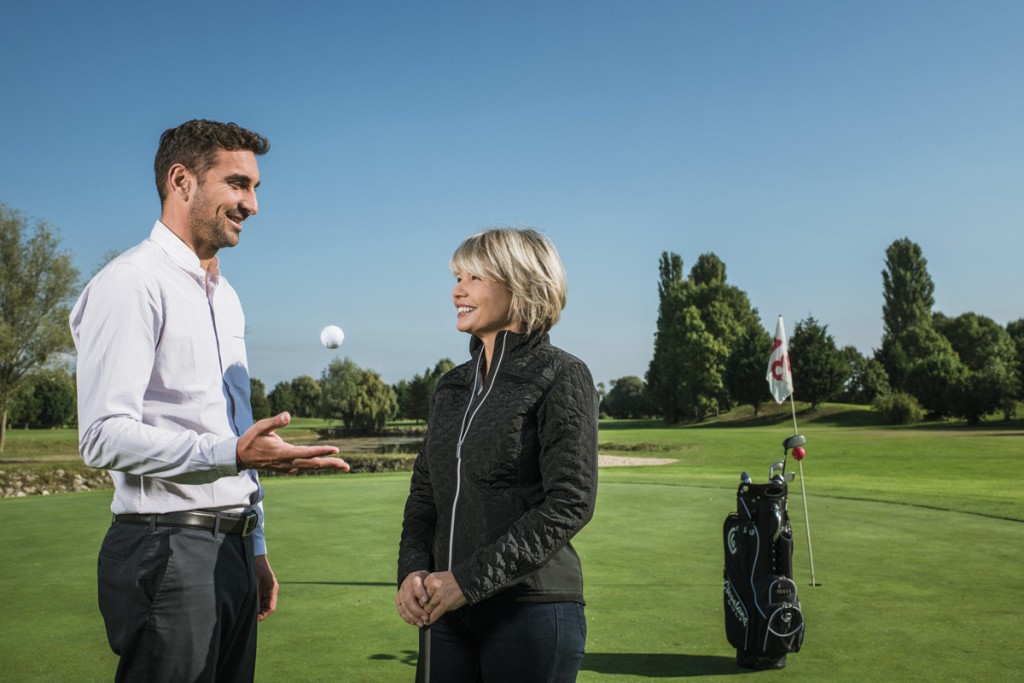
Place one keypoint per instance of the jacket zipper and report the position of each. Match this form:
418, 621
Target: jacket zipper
467, 421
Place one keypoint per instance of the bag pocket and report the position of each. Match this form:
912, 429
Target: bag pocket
779, 620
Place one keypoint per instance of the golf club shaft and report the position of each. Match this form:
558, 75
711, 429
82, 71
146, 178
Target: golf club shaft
425, 654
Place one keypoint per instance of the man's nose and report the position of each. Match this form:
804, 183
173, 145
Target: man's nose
250, 204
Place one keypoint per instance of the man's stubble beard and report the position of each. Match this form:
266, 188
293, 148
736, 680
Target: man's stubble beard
207, 226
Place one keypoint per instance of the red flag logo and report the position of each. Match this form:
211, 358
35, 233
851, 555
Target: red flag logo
779, 375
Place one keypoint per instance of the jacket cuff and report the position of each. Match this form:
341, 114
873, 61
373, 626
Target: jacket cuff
469, 590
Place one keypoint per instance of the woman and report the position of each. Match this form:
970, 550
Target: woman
507, 476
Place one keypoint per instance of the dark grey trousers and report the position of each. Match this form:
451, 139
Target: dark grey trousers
178, 604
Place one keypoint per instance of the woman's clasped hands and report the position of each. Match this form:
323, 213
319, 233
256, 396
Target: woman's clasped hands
423, 597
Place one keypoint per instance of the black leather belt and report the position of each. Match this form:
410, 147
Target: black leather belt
224, 522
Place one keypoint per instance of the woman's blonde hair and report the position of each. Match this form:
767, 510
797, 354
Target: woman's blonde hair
524, 262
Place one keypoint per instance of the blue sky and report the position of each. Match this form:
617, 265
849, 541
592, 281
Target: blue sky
795, 140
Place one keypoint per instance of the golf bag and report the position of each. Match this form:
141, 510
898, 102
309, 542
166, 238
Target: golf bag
763, 620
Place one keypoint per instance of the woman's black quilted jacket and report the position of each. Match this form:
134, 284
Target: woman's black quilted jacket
505, 480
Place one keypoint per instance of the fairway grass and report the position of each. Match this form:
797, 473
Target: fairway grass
917, 549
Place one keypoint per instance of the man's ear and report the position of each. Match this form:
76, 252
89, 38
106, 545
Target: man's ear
181, 182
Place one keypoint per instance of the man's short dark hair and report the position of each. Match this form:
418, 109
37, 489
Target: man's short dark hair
194, 144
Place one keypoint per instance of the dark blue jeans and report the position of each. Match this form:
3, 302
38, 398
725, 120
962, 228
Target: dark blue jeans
515, 642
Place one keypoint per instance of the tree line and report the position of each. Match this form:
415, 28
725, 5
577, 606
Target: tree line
355, 398
710, 352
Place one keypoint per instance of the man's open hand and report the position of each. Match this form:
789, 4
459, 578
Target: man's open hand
261, 448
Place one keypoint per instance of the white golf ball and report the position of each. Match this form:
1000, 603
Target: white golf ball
332, 336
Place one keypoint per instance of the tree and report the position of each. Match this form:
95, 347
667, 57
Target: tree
664, 374
37, 283
1016, 332
374, 404
977, 339
902, 351
401, 389
819, 368
727, 316
985, 391
898, 407
338, 384
868, 379
357, 397
989, 354
416, 400
258, 399
416, 394
306, 396
56, 395
703, 366
923, 364
909, 294
907, 288
24, 408
708, 270
627, 398
45, 400
701, 321
935, 382
441, 368
745, 369
281, 399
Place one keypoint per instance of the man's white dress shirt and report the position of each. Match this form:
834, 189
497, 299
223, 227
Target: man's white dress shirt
163, 382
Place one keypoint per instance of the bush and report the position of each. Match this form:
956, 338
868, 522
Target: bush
899, 408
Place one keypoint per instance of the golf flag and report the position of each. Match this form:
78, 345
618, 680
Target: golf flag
780, 377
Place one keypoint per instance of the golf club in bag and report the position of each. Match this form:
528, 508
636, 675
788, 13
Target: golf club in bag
763, 620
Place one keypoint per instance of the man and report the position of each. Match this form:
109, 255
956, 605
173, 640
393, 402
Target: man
163, 400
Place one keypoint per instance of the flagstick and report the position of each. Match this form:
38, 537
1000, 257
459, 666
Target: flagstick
807, 521
780, 383
792, 405
803, 495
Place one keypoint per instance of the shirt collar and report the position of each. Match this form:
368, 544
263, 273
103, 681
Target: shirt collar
181, 254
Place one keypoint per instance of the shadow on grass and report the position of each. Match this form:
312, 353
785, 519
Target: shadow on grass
407, 657
834, 415
660, 665
647, 665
